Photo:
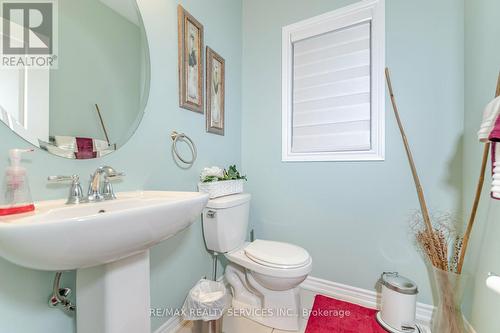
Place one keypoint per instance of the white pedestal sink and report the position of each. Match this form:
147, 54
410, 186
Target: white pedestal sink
108, 244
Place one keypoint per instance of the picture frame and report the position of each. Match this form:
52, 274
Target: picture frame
216, 92
191, 47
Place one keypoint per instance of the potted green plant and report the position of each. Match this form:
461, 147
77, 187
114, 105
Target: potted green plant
218, 182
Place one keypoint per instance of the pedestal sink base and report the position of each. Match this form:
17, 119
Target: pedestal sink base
114, 298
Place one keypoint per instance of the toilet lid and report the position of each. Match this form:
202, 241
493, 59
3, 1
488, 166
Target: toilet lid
276, 254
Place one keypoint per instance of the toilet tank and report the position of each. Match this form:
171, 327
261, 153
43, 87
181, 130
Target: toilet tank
225, 222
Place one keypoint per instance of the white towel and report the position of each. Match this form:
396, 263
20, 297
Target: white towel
490, 116
495, 186
66, 143
100, 145
60, 152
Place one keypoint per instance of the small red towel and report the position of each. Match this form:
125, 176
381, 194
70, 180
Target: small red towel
333, 316
85, 149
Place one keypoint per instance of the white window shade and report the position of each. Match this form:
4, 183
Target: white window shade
333, 88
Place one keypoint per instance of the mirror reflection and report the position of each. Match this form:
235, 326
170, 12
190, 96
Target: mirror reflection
93, 100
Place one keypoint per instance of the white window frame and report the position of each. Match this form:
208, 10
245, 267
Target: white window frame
365, 11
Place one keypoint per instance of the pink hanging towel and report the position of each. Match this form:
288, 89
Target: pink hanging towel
494, 137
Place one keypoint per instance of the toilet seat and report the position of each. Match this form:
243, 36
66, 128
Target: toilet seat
277, 254
239, 257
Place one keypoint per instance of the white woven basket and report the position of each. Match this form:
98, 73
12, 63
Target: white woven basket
221, 188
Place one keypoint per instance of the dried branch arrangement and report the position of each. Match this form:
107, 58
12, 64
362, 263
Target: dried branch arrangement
428, 238
436, 236
438, 240
445, 237
477, 197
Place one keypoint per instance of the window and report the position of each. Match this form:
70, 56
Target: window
333, 85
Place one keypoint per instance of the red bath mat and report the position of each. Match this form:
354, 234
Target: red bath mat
333, 316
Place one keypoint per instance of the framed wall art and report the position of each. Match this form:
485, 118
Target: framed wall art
215, 92
190, 61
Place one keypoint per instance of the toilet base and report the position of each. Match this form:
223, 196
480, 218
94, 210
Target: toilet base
276, 309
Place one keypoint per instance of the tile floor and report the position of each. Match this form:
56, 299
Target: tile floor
235, 325
244, 325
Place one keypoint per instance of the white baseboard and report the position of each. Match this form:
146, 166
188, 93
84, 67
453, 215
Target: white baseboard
363, 297
173, 325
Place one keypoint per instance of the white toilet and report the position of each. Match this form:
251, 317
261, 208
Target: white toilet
264, 275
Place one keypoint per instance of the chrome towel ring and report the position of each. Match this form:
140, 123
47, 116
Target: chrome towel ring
176, 137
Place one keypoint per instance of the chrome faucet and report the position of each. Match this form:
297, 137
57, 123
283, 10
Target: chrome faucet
75, 192
96, 191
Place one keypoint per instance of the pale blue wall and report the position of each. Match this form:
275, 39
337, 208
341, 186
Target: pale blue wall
482, 50
353, 217
180, 262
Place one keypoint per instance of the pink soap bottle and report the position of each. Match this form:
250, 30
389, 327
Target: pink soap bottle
15, 195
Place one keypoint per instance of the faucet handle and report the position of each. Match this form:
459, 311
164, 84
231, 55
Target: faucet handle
75, 192
61, 179
107, 189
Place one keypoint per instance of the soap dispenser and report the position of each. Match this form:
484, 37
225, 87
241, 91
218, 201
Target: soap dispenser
15, 197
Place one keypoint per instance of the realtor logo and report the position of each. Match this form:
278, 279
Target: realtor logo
29, 32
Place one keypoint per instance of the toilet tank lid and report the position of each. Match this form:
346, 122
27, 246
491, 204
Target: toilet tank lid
229, 201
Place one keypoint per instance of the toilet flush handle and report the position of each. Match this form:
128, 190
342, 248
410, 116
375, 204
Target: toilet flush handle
211, 214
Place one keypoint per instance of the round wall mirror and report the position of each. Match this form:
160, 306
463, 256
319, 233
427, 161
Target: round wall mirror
92, 100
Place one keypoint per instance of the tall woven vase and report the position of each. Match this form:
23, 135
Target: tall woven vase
448, 317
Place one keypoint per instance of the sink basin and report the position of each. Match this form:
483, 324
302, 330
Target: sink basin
58, 237
107, 243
